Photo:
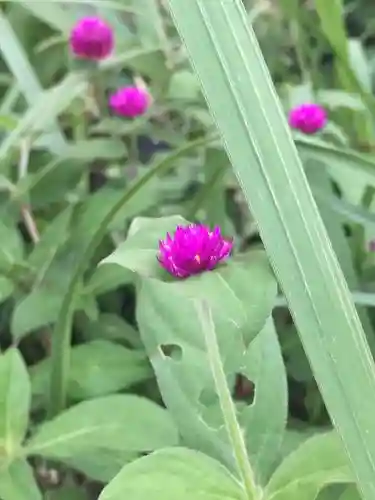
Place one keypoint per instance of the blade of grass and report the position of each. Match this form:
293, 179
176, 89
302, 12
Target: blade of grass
17, 61
239, 91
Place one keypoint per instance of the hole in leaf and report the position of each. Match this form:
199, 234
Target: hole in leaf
172, 351
208, 397
244, 389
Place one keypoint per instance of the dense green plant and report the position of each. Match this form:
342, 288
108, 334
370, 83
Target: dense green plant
118, 379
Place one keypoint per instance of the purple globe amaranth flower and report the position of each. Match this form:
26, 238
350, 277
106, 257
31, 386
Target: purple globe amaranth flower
308, 118
130, 101
92, 38
193, 249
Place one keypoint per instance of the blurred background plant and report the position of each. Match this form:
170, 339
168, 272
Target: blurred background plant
67, 156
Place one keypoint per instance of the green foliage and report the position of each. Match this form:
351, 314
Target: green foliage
187, 473
106, 377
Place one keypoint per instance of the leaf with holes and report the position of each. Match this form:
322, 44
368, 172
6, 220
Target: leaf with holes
174, 342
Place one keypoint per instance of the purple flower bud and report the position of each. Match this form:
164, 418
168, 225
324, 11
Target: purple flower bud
192, 250
91, 38
308, 118
130, 101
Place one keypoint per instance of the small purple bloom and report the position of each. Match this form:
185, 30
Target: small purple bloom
193, 249
130, 101
308, 118
92, 38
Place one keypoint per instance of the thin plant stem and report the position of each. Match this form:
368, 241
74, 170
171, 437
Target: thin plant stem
232, 426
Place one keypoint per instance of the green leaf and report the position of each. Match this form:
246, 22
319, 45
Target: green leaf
97, 368
239, 91
17, 482
174, 342
103, 469
112, 327
138, 253
122, 423
14, 402
11, 253
108, 277
319, 461
172, 474
264, 421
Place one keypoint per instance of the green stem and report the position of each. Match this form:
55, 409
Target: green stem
61, 338
228, 409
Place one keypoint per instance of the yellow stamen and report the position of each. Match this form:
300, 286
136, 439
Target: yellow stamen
197, 258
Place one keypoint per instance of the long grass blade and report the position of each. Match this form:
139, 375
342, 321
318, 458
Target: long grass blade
239, 91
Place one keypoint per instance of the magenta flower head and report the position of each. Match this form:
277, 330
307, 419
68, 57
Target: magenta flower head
91, 38
308, 118
192, 250
130, 101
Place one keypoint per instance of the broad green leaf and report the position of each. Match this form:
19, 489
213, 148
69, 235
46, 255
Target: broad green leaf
243, 101
174, 342
104, 468
108, 277
97, 368
138, 253
15, 395
17, 482
122, 423
174, 473
264, 421
319, 461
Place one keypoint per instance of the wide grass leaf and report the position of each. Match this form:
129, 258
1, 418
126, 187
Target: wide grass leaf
239, 91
